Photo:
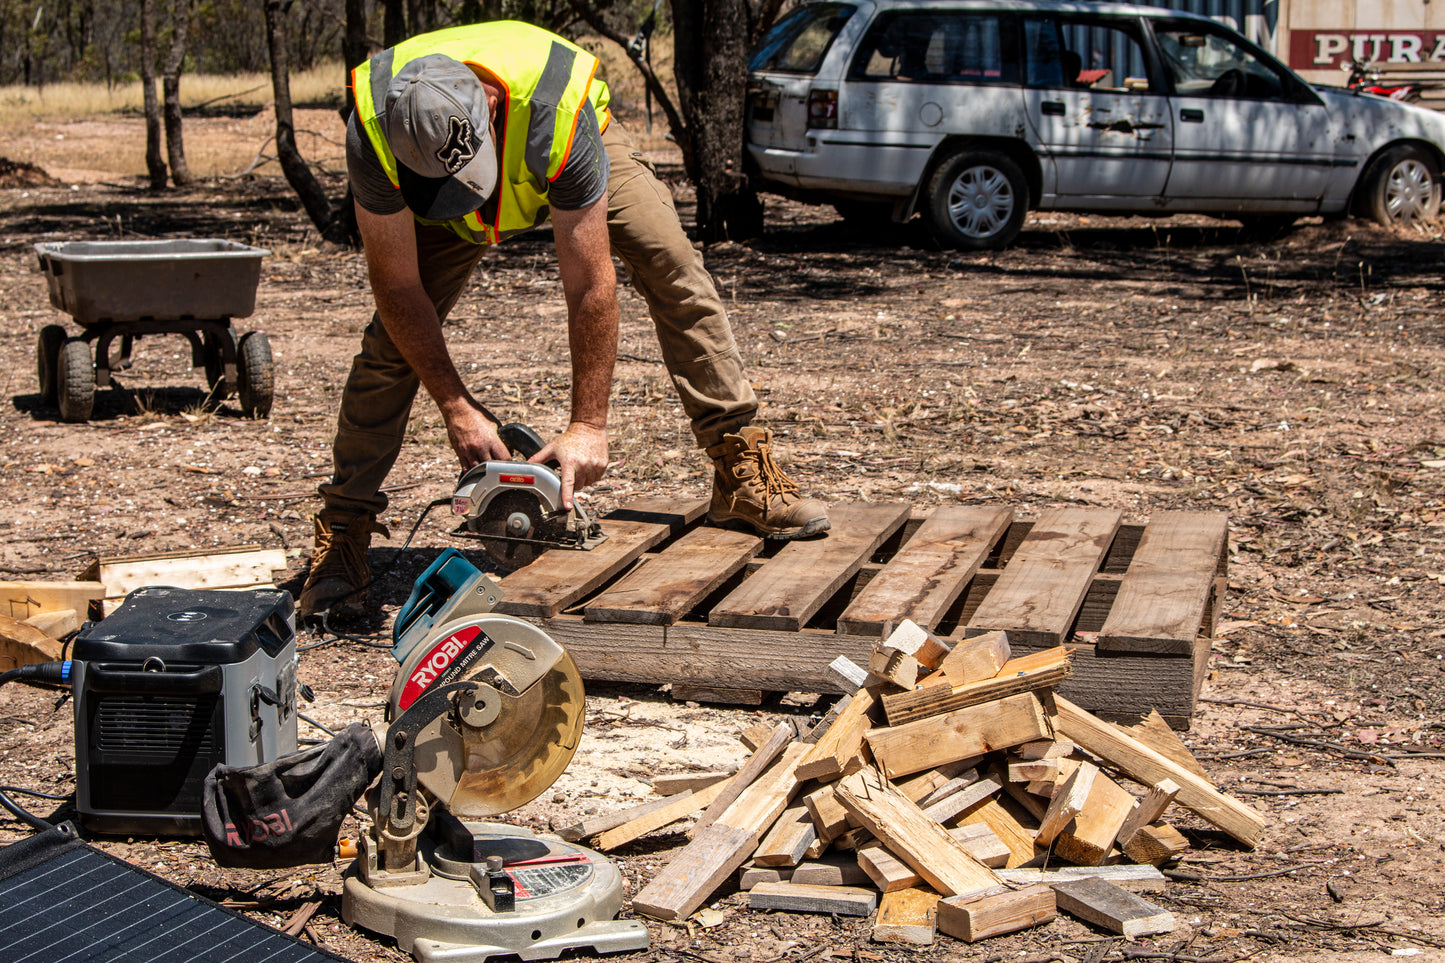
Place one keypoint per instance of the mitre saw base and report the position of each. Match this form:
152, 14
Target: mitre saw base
564, 897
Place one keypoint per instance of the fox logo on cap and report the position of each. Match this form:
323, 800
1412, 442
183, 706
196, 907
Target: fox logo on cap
460, 146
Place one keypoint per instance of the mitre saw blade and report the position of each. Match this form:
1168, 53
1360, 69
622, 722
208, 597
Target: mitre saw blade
511, 742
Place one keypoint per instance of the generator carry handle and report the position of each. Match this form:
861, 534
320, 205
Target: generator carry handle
100, 677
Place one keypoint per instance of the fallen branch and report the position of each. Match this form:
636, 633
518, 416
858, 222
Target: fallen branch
1345, 751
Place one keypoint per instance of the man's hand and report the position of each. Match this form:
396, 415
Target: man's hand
473, 436
581, 451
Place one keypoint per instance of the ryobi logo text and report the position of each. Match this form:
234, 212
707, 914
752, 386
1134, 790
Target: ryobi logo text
445, 662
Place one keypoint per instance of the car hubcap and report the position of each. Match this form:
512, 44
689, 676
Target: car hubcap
1409, 192
980, 201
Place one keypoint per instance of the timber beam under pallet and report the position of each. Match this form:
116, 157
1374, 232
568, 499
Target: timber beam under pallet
657, 604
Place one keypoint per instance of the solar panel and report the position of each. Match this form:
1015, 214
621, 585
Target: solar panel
63, 901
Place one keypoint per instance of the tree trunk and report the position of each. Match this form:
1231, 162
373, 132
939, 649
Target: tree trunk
171, 90
710, 64
393, 24
298, 174
155, 164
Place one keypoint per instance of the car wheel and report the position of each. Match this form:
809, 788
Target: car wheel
47, 359
1401, 187
977, 201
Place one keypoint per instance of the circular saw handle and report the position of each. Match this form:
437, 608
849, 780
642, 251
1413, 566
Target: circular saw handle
520, 439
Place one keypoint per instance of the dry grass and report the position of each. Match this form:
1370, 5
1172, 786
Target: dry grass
21, 106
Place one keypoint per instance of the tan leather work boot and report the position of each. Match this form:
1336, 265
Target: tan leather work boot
339, 572
749, 488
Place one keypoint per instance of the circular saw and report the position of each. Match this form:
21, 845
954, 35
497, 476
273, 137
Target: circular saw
515, 507
484, 715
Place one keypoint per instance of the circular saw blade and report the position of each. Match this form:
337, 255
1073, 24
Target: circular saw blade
513, 514
511, 760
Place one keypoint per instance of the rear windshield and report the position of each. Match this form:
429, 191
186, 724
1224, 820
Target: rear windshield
798, 42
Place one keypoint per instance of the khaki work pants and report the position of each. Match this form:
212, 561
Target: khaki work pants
692, 329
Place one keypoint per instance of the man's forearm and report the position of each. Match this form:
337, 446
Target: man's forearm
592, 338
411, 321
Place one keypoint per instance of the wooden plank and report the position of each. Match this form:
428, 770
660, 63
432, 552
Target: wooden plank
930, 571
908, 636
595, 825
686, 883
763, 802
238, 567
824, 724
56, 624
1161, 600
899, 668
805, 898
1034, 671
1040, 590
972, 660
955, 804
23, 644
1004, 825
888, 872
838, 750
1155, 733
1156, 844
830, 871
1066, 804
678, 807
983, 844
750, 875
560, 578
791, 586
919, 841
974, 918
1112, 908
20, 600
1138, 879
788, 840
936, 740
670, 584
673, 783
720, 695
830, 819
907, 916
1147, 809
1091, 837
1145, 765
750, 770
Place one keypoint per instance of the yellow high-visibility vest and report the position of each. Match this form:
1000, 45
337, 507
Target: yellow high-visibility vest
547, 80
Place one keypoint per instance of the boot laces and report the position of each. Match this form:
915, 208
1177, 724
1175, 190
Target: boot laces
342, 552
775, 481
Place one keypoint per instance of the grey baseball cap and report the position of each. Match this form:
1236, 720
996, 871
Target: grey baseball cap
439, 128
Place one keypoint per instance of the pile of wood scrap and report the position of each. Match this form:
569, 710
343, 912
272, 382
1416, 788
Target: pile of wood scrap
951, 792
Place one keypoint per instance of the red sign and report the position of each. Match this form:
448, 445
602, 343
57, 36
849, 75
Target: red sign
1326, 49
444, 656
517, 479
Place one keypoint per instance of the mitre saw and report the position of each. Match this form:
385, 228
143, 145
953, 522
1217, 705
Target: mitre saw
484, 715
515, 507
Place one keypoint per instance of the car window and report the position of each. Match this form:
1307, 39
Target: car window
1085, 53
1204, 63
798, 42
939, 47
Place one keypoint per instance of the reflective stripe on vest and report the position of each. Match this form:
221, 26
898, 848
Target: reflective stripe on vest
546, 82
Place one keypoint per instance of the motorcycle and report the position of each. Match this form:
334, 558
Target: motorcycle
1365, 78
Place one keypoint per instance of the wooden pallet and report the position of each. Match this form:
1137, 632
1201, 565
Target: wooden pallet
667, 600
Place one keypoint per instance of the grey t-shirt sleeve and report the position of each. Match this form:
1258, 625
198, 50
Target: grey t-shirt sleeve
584, 178
370, 186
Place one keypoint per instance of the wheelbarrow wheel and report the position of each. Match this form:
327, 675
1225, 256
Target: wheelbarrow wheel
75, 381
213, 348
47, 357
257, 375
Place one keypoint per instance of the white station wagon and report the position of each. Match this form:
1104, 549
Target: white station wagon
973, 112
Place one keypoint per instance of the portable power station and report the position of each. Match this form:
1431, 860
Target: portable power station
172, 683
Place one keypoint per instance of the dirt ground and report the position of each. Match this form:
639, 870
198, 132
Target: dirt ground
1127, 363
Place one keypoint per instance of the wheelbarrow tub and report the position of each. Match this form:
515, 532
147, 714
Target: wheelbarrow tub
123, 281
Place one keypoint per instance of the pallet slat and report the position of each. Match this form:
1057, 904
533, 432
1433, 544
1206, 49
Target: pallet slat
790, 587
561, 577
1167, 586
1040, 591
667, 586
930, 572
